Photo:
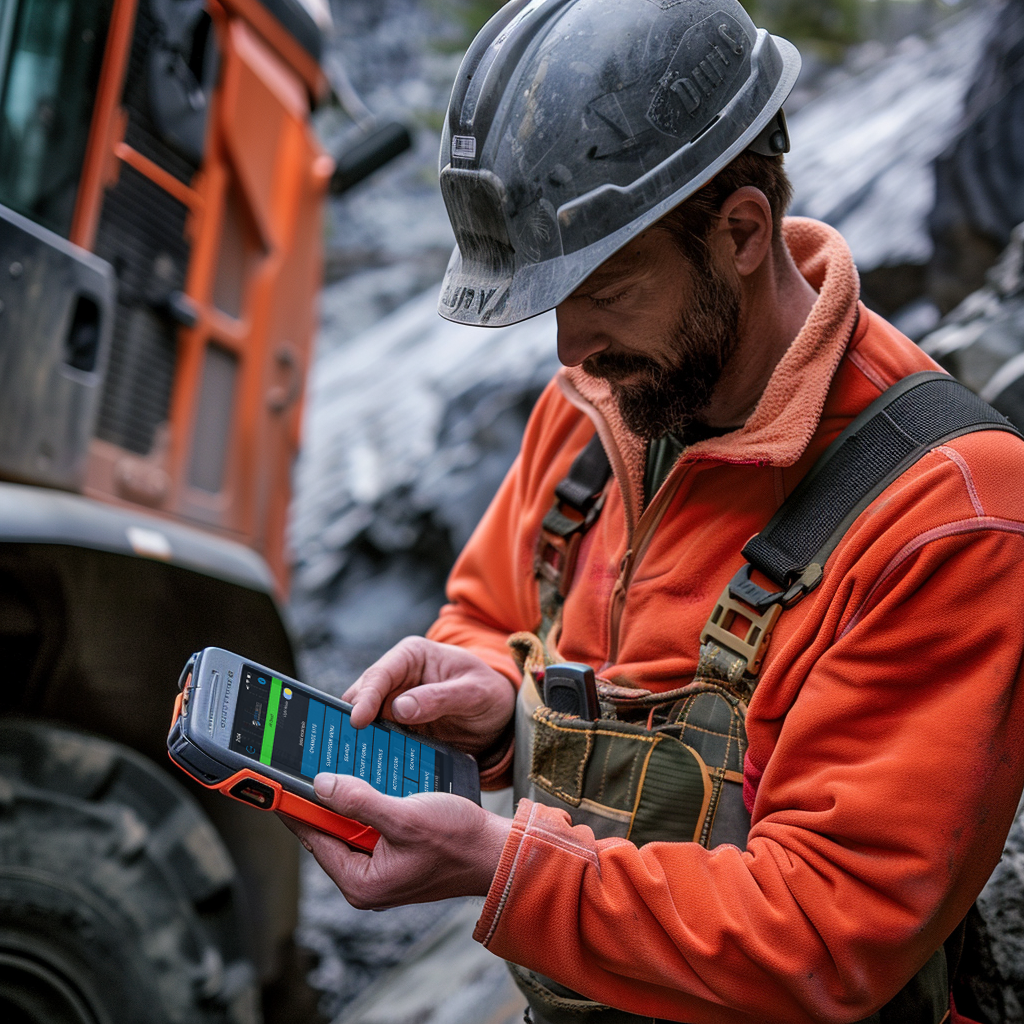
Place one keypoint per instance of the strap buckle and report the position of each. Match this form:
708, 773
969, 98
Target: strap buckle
761, 610
559, 545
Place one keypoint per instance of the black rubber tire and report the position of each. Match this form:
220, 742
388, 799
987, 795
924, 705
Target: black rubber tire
118, 900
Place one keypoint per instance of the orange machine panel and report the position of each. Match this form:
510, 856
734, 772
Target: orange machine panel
222, 460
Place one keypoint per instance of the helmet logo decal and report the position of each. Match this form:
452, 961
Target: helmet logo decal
700, 77
735, 44
609, 109
463, 147
479, 301
606, 113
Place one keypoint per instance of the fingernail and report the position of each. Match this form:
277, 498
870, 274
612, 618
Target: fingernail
324, 783
306, 845
405, 707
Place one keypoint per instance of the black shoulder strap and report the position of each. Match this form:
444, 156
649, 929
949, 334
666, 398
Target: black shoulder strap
578, 501
586, 478
908, 420
911, 418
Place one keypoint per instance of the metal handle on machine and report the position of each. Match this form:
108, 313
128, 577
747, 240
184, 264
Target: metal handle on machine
379, 143
281, 396
374, 150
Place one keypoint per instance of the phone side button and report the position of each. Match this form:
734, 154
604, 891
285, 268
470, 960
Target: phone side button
255, 793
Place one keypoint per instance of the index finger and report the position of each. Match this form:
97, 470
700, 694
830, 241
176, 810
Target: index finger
398, 670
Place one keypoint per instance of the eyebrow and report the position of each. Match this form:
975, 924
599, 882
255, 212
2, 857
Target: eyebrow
602, 277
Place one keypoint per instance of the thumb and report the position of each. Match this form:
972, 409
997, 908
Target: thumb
355, 798
431, 701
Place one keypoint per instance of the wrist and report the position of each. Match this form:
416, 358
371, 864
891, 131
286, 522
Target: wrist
484, 852
496, 752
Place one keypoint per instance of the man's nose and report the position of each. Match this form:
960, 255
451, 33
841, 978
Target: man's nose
577, 339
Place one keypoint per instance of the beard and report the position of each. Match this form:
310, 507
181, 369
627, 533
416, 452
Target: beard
656, 398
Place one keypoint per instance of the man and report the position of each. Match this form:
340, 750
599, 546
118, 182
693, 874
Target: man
615, 159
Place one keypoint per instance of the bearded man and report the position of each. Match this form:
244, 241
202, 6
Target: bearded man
811, 859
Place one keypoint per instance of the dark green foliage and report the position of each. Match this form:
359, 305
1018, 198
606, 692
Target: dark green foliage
827, 21
469, 15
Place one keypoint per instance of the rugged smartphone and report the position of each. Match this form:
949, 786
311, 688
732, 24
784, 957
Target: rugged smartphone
261, 737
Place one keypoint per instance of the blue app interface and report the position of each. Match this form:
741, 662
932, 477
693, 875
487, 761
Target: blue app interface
287, 728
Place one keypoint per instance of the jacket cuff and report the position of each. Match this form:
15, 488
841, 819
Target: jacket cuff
496, 765
502, 881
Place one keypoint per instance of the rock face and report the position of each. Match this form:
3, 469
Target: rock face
997, 965
980, 177
918, 159
863, 153
982, 340
388, 238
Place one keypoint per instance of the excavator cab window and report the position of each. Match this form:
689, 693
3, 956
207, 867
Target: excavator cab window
50, 56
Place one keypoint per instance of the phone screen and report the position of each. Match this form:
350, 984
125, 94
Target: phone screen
282, 725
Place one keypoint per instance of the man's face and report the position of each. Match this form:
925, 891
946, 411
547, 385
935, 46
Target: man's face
658, 327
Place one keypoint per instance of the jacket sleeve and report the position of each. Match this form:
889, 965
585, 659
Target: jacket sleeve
881, 812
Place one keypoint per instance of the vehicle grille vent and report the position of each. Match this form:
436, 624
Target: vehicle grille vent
142, 235
141, 133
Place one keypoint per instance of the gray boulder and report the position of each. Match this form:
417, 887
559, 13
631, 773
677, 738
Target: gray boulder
982, 341
864, 151
980, 177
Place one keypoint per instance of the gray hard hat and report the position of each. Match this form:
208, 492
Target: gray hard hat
576, 124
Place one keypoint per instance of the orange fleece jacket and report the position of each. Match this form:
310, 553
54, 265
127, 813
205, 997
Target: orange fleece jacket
884, 737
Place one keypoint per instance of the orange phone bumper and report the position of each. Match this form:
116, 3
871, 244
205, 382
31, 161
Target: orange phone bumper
249, 787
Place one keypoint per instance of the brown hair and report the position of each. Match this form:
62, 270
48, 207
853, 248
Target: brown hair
690, 223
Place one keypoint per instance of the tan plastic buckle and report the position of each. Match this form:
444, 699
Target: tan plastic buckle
760, 608
555, 560
561, 535
750, 647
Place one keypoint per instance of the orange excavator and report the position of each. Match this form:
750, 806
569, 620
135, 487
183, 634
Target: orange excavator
161, 199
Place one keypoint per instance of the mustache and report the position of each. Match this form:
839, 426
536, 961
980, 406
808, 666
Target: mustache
618, 366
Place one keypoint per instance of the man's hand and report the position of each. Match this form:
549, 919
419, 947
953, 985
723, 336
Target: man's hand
440, 690
431, 846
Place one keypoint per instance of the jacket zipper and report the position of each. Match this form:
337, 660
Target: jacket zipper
641, 535
641, 531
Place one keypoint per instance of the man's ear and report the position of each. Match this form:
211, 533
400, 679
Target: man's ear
747, 226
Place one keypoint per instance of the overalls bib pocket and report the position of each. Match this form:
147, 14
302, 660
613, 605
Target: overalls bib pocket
655, 767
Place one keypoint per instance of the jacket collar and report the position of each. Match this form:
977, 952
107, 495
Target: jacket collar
786, 417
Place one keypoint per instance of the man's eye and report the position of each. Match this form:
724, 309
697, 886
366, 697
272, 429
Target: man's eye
609, 299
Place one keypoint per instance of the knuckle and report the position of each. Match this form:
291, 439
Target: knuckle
410, 646
480, 695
